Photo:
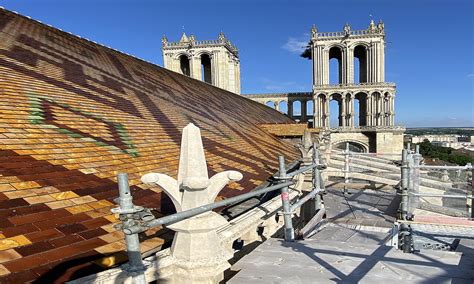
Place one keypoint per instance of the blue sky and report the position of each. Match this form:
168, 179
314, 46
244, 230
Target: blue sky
429, 51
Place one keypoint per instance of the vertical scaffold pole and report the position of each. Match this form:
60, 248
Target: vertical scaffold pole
472, 192
416, 176
346, 167
285, 199
136, 267
404, 184
316, 178
410, 178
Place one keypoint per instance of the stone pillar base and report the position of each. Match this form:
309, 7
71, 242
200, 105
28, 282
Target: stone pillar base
194, 272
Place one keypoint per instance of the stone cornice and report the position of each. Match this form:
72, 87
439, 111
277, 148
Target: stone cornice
368, 129
351, 88
280, 95
201, 44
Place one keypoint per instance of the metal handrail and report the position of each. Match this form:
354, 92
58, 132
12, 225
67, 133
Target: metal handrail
176, 217
467, 196
137, 219
453, 168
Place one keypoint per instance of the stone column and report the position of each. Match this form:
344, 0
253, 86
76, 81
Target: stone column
318, 65
303, 110
326, 109
326, 66
215, 69
196, 69
319, 111
343, 111
376, 63
369, 110
379, 109
322, 114
277, 105
392, 121
290, 109
382, 61
344, 66
350, 103
315, 112
350, 66
369, 64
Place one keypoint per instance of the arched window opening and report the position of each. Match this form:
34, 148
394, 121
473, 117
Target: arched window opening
357, 113
335, 111
387, 109
283, 107
309, 108
377, 104
206, 70
296, 108
310, 112
353, 147
360, 65
184, 65
335, 65
361, 99
270, 104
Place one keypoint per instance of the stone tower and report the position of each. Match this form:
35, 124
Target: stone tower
367, 86
360, 78
213, 61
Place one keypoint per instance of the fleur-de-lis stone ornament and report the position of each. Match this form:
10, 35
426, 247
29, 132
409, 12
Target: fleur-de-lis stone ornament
196, 251
306, 147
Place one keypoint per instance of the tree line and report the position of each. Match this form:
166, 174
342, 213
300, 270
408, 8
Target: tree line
443, 153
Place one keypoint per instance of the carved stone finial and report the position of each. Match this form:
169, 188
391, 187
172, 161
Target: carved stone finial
380, 27
196, 251
184, 38
445, 176
192, 38
371, 26
164, 40
314, 32
306, 147
347, 29
221, 36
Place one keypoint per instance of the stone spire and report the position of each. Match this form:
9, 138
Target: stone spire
314, 32
347, 29
380, 26
164, 40
371, 28
184, 38
221, 36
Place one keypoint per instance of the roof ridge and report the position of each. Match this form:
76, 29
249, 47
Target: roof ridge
79, 37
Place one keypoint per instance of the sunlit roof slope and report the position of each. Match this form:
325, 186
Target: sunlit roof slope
74, 113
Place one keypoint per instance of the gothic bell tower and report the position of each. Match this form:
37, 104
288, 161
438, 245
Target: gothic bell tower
366, 102
213, 61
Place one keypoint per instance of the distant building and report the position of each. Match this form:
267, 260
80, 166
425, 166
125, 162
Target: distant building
212, 61
434, 138
454, 145
366, 102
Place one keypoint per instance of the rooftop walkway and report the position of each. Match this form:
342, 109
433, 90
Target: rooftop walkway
326, 261
350, 246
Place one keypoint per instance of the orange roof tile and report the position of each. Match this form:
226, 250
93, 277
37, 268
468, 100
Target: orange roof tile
72, 115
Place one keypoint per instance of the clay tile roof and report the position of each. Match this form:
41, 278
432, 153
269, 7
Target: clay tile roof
74, 113
287, 129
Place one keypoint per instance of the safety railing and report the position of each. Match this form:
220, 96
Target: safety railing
411, 179
136, 219
353, 162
